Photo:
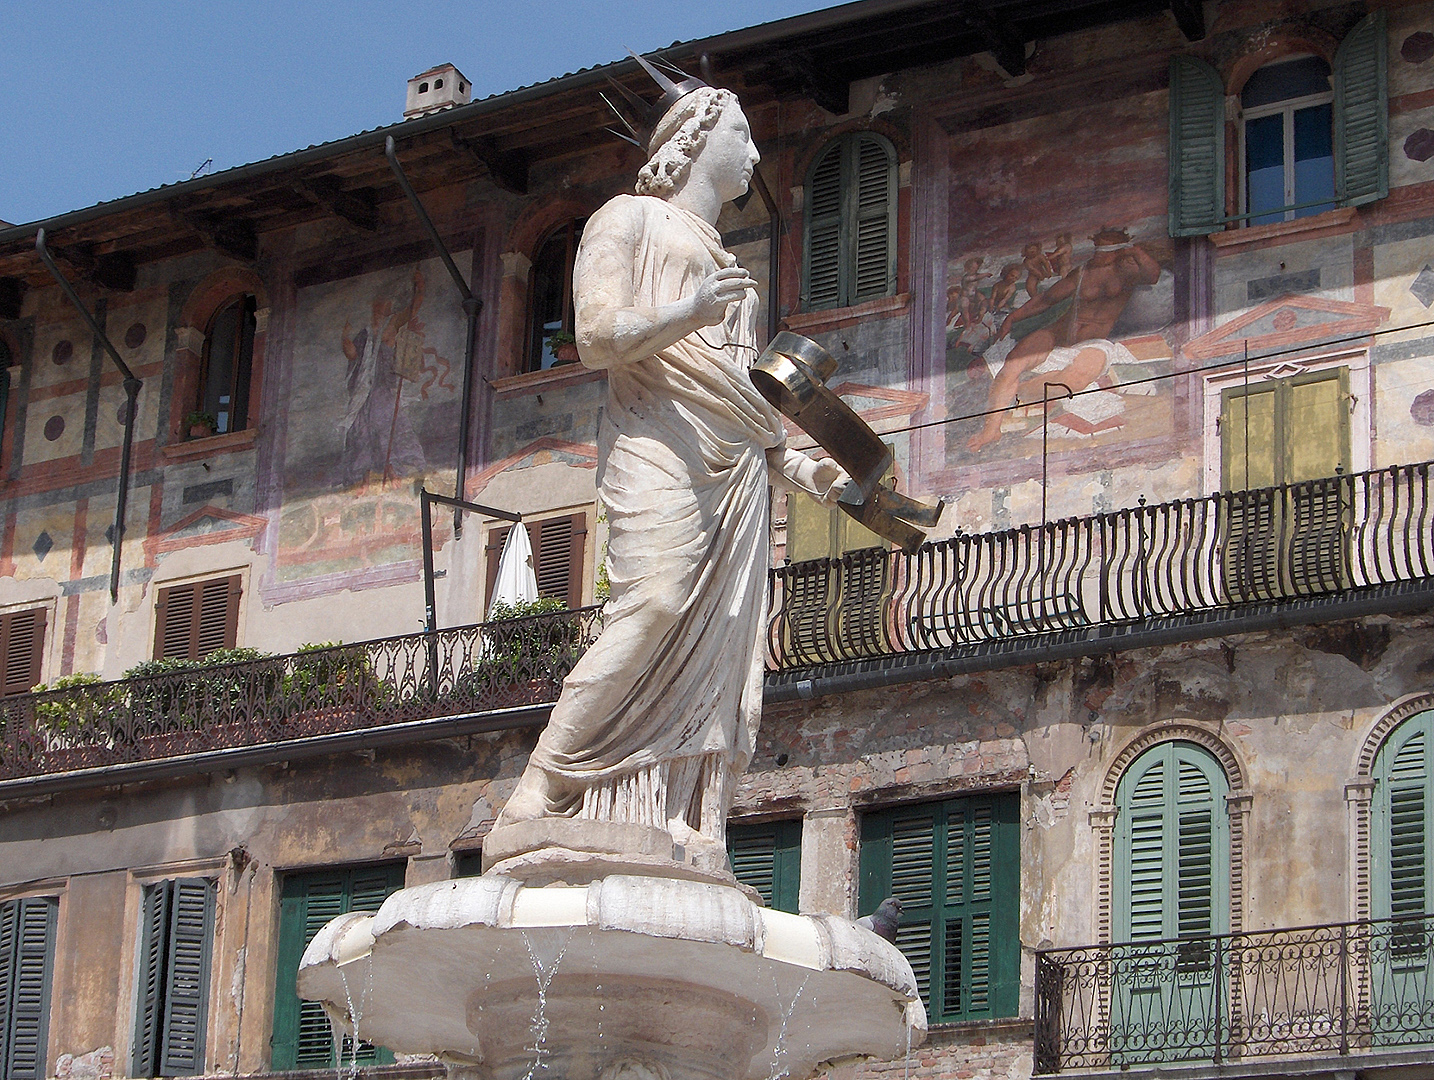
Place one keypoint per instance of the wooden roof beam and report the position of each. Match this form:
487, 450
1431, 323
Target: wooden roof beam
234, 237
359, 207
1190, 17
507, 168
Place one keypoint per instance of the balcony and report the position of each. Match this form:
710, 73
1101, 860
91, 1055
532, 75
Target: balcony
1224, 563
463, 680
1361, 989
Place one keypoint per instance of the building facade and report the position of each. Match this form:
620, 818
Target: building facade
1141, 736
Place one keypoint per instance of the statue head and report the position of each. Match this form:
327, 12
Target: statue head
680, 136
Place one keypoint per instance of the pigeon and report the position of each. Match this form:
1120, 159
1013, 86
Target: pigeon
884, 920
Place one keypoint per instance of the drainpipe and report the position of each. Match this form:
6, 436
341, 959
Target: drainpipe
132, 388
472, 307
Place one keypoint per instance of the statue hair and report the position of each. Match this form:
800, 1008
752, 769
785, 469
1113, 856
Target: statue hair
679, 137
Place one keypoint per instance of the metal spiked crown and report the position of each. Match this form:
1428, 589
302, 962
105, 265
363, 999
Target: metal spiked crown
640, 116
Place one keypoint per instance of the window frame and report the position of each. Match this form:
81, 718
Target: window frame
44, 614
1003, 975
154, 1044
784, 877
236, 591
242, 364
8, 974
293, 895
1286, 107
497, 534
847, 145
532, 340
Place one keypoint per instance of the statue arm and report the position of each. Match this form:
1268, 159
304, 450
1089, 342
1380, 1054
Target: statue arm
821, 478
612, 330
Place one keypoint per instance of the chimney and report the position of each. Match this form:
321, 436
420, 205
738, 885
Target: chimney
437, 88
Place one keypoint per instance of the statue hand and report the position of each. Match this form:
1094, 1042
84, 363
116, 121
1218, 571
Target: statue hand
719, 291
830, 480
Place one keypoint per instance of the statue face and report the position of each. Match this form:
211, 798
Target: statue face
729, 155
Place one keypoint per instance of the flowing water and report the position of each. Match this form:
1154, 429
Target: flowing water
544, 968
779, 1052
355, 1015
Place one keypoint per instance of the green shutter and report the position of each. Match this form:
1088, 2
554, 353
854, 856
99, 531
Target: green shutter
27, 949
154, 922
1172, 846
955, 867
186, 991
1361, 113
768, 857
302, 1036
850, 251
873, 215
823, 216
1197, 148
1402, 829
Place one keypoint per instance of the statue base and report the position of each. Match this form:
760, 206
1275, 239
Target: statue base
626, 978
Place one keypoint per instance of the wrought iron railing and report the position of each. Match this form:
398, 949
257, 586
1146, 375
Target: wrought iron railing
469, 669
1341, 989
1144, 563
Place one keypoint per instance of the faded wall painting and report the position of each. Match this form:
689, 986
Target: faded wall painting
1060, 285
373, 413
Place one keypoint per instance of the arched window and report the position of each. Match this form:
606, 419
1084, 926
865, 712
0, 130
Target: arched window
1287, 140
226, 366
850, 242
550, 298
1403, 833
1172, 867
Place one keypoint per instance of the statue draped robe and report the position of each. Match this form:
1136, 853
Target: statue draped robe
661, 714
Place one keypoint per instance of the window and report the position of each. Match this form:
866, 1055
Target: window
27, 958
558, 550
955, 867
303, 1038
227, 363
850, 243
191, 621
1172, 846
173, 1004
22, 645
1172, 881
768, 857
1312, 136
1403, 842
550, 298
1285, 431
1287, 141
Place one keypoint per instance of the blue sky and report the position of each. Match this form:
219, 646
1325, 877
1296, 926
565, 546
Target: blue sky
99, 100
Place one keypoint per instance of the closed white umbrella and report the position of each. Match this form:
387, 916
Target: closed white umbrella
517, 581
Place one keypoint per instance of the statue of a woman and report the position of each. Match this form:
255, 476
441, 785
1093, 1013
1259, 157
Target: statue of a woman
660, 715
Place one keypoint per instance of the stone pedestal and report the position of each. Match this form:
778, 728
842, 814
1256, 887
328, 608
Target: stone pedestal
627, 977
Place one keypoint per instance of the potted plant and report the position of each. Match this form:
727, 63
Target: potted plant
201, 424
564, 348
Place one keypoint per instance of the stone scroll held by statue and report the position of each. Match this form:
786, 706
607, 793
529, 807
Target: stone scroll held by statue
661, 714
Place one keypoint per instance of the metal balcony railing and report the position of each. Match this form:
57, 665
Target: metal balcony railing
1142, 564
1341, 989
372, 684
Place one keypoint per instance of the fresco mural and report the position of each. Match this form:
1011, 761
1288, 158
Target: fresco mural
1061, 283
375, 377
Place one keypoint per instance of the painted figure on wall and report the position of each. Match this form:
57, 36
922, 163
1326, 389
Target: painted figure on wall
1074, 349
379, 440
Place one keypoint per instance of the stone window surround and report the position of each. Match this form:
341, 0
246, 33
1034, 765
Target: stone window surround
1361, 427
206, 299
229, 569
1237, 803
1359, 797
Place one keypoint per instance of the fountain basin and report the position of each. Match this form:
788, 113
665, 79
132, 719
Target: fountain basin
625, 978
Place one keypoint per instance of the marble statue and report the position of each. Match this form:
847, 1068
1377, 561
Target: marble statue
661, 714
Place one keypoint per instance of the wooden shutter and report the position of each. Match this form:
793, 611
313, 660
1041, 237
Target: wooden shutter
768, 857
873, 216
186, 992
1401, 833
1172, 850
148, 1015
559, 547
823, 219
194, 620
1197, 147
1361, 113
955, 867
22, 646
302, 1036
27, 949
